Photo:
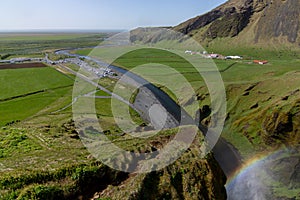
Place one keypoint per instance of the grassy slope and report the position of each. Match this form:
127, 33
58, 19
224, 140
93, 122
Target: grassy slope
275, 80
250, 125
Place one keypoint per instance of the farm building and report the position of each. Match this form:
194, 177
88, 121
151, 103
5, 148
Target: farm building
260, 62
233, 57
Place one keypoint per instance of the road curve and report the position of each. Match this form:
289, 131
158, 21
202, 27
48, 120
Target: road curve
226, 155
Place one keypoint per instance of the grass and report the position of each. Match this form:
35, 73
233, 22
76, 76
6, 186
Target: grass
259, 51
53, 164
56, 57
101, 93
275, 80
24, 92
40, 36
36, 55
133, 96
22, 108
107, 118
155, 65
24, 44
72, 66
282, 190
84, 52
30, 80
108, 83
16, 141
39, 156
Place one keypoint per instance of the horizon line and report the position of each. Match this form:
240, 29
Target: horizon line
60, 30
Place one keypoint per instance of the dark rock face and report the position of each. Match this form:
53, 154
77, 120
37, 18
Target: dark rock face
276, 18
282, 126
199, 22
227, 20
223, 22
231, 24
278, 124
267, 20
279, 18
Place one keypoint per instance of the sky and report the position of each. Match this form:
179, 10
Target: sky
98, 14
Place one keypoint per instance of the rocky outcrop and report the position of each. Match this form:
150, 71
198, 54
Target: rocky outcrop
231, 24
282, 126
190, 177
198, 22
227, 22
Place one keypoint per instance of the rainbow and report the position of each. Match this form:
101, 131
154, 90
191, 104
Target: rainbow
250, 181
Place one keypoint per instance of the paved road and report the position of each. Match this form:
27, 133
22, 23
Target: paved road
165, 108
87, 79
149, 95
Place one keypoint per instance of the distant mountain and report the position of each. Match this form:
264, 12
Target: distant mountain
252, 21
255, 22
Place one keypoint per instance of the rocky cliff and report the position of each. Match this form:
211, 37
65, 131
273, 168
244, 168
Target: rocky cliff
254, 20
190, 177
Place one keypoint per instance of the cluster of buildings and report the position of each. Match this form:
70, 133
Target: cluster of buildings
99, 71
205, 54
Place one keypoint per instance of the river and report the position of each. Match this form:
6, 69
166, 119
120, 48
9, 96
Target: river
226, 155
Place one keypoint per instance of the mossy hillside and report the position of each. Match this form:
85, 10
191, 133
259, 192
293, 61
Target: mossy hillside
57, 165
190, 177
266, 112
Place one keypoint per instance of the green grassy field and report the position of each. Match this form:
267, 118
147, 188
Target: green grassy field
83, 52
27, 44
263, 101
233, 72
41, 155
24, 92
41, 36
274, 80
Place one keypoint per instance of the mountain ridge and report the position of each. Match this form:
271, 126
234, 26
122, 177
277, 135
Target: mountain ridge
259, 20
263, 23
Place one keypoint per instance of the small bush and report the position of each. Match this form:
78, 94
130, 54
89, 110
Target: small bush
41, 192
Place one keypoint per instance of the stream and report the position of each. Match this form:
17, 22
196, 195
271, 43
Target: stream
226, 155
